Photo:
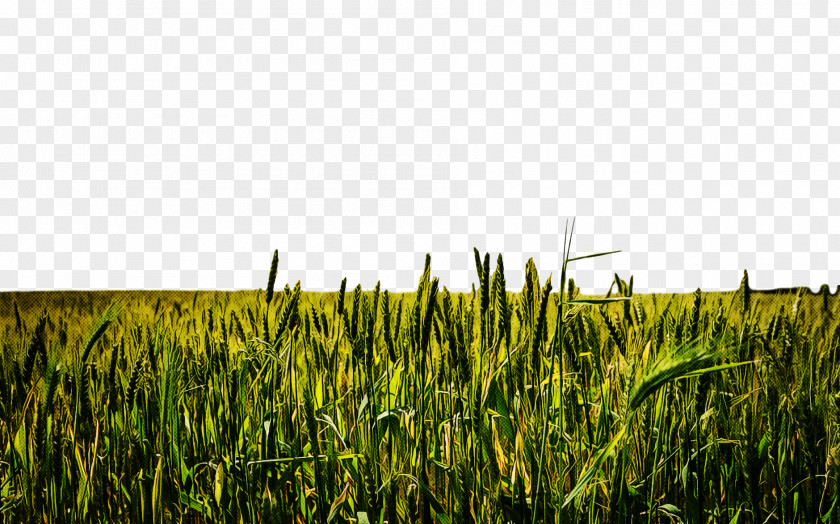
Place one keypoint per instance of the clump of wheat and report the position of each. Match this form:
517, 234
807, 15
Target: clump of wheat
545, 405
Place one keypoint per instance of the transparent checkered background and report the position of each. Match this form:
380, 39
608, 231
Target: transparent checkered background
177, 144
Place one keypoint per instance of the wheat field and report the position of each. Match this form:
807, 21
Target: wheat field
540, 405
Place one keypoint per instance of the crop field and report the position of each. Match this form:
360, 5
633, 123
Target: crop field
495, 405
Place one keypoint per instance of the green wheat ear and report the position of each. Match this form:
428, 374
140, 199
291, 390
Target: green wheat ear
100, 327
272, 276
689, 359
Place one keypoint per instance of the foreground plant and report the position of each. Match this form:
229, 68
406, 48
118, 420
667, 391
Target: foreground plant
367, 406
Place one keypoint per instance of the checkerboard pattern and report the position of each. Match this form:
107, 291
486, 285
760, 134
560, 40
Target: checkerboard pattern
177, 144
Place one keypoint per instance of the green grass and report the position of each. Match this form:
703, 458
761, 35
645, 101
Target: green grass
281, 405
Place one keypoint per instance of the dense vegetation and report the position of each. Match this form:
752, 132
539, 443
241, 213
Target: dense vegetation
490, 406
